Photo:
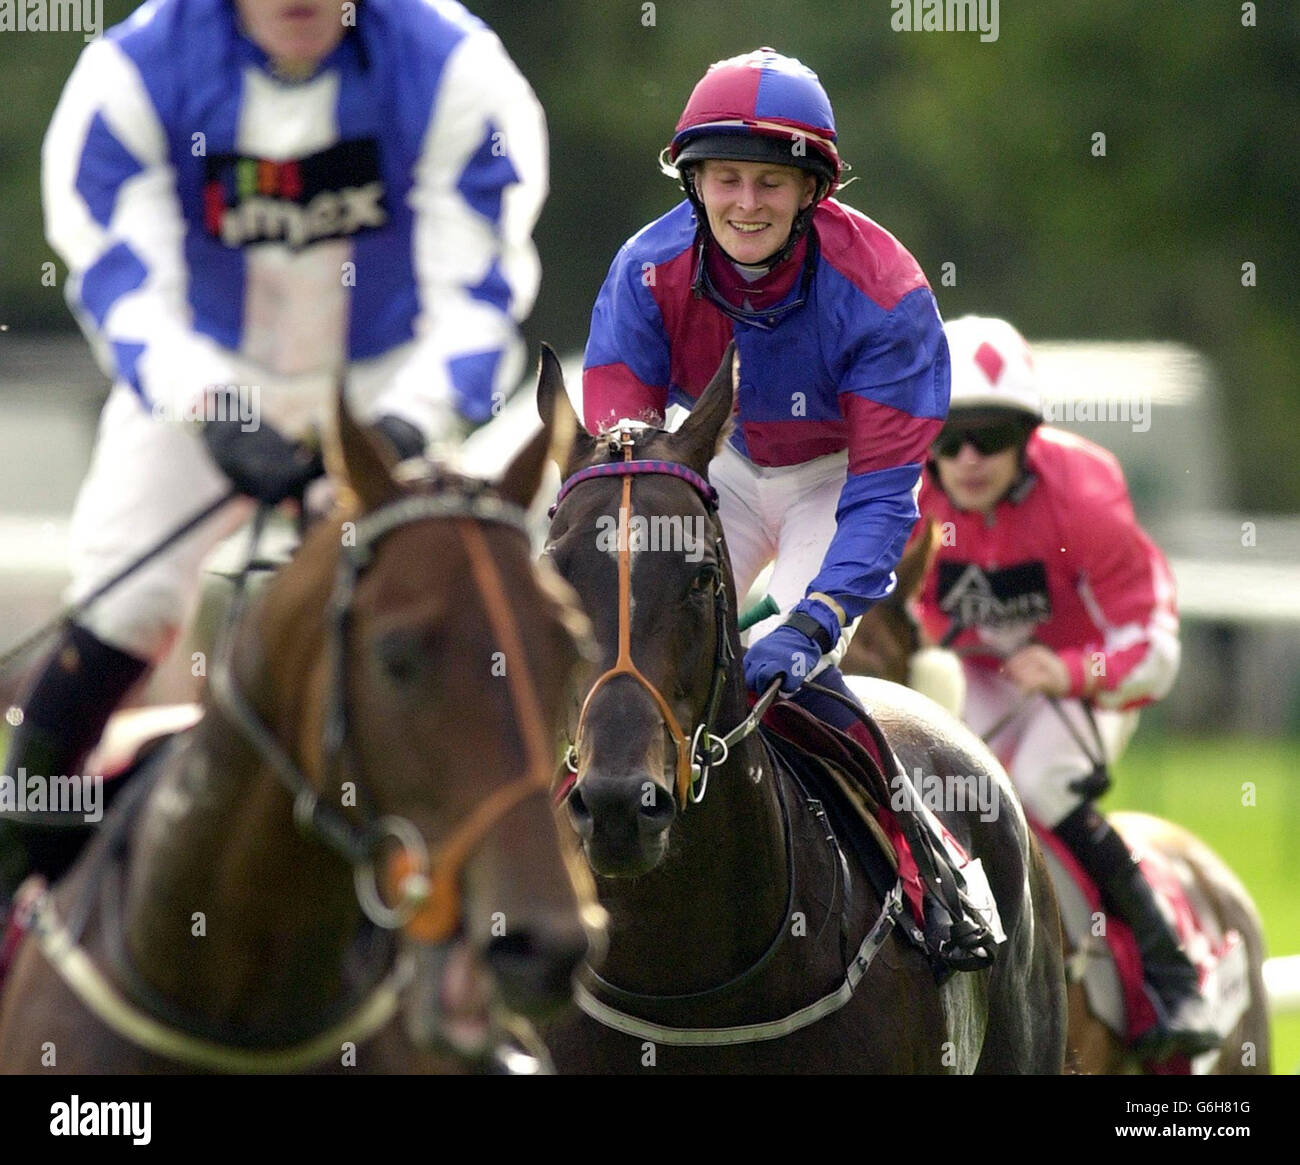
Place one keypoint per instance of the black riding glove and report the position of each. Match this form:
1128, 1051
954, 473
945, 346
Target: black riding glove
406, 440
261, 462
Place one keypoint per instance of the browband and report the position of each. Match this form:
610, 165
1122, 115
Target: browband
624, 468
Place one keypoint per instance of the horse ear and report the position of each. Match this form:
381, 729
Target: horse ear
523, 476
703, 432
367, 461
570, 442
916, 562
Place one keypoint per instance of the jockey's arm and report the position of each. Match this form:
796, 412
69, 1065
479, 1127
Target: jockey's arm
113, 215
1128, 589
626, 366
480, 183
1038, 668
894, 397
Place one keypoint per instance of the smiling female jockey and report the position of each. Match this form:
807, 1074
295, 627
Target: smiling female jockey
252, 199
843, 364
1044, 567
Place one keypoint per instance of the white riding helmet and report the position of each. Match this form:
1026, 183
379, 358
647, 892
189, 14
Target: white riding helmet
992, 367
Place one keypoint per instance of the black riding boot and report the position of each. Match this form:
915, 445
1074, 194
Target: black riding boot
1181, 1024
63, 718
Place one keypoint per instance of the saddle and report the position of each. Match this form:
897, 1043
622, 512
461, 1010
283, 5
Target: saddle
954, 917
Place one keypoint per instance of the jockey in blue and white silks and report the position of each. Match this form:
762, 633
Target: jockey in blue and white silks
255, 198
222, 226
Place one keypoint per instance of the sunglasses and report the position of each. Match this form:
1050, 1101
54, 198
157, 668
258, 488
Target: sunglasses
987, 439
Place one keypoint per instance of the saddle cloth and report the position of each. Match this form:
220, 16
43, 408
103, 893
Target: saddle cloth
1110, 965
850, 782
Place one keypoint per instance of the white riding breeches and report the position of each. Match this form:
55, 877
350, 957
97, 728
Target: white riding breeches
146, 477
784, 516
1039, 752
148, 474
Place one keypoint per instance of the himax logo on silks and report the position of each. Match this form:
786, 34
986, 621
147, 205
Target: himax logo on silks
327, 195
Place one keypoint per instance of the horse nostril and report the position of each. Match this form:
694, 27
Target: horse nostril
580, 815
534, 969
656, 811
511, 950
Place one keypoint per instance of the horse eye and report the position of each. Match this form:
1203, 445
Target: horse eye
399, 655
703, 581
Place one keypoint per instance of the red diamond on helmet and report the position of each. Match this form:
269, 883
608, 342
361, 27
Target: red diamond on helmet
991, 364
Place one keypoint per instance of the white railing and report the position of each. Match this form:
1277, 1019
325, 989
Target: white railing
1282, 981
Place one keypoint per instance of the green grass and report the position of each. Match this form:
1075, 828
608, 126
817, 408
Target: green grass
1202, 785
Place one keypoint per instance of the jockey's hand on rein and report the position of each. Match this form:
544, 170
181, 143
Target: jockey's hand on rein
786, 652
1037, 668
407, 441
259, 461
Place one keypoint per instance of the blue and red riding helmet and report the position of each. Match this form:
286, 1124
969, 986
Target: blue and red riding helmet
758, 107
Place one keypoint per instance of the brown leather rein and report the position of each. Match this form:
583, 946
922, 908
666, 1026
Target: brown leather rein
425, 886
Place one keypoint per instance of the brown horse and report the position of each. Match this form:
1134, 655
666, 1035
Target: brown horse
886, 645
738, 913
351, 863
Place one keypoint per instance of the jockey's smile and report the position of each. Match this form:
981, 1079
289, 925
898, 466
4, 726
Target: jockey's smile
751, 205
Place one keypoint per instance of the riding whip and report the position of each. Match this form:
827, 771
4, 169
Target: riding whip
73, 610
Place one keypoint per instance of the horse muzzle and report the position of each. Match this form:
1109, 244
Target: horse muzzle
475, 1002
448, 1005
623, 821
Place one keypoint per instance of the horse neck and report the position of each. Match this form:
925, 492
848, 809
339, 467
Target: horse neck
231, 911
739, 828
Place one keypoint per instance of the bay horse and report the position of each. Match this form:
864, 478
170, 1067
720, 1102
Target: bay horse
889, 643
351, 864
737, 920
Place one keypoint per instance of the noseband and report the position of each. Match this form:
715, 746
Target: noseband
428, 895
697, 754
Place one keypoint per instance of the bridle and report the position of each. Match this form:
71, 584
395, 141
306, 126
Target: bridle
697, 754
694, 760
425, 884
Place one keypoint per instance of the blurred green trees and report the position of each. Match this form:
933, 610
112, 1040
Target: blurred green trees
977, 154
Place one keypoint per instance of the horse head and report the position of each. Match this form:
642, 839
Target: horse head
649, 563
416, 664
889, 634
